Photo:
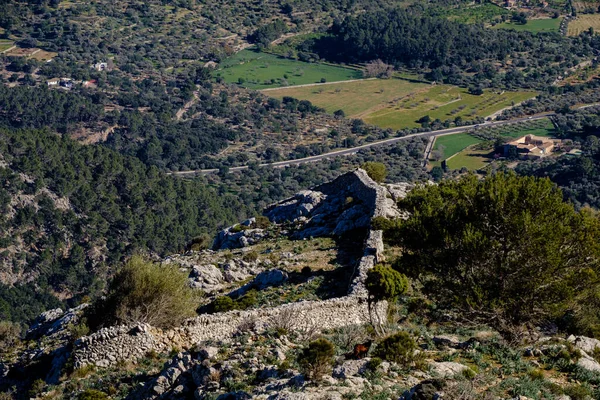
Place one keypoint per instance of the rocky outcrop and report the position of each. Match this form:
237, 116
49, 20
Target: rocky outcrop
239, 235
347, 203
54, 321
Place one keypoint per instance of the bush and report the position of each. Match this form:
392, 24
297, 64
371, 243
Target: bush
251, 256
223, 303
199, 243
247, 301
10, 333
384, 283
146, 292
317, 359
375, 170
93, 394
262, 222
399, 348
522, 253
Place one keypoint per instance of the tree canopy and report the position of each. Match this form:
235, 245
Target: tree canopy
507, 249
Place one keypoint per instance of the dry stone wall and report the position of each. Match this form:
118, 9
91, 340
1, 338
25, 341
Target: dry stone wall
109, 345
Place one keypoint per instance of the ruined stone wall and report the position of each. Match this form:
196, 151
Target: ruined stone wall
110, 345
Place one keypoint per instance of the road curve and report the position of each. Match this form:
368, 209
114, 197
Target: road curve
353, 150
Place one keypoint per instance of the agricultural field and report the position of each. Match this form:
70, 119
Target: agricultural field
398, 103
464, 150
582, 23
5, 44
533, 25
584, 6
259, 70
472, 14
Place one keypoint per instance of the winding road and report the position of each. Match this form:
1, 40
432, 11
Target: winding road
354, 150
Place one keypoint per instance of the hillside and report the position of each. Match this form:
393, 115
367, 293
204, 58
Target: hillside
301, 275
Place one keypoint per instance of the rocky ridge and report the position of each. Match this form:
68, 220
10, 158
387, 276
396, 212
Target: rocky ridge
327, 216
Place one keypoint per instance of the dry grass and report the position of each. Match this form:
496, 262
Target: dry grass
583, 22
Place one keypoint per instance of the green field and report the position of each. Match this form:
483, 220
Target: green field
398, 103
449, 145
534, 25
461, 150
472, 14
6, 44
258, 70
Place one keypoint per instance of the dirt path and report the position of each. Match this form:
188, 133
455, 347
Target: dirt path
315, 84
186, 107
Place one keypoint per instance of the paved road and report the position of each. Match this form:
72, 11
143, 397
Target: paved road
354, 150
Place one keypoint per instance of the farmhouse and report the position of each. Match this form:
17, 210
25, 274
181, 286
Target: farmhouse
530, 147
53, 81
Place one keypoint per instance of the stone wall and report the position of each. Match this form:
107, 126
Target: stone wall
110, 345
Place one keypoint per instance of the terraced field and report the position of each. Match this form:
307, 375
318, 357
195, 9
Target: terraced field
398, 103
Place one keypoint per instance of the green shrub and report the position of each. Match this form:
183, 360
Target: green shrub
251, 256
316, 360
384, 283
247, 301
374, 363
146, 292
198, 243
375, 170
578, 392
36, 387
399, 348
92, 394
223, 303
79, 330
262, 222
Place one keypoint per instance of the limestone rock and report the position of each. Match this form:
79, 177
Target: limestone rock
589, 364
274, 277
350, 368
584, 343
447, 369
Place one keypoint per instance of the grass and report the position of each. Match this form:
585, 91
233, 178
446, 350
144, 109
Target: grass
6, 44
449, 145
582, 23
262, 70
478, 13
534, 25
398, 103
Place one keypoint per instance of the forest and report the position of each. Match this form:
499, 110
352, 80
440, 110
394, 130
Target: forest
457, 53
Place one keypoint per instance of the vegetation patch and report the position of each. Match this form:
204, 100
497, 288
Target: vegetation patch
583, 23
5, 45
399, 103
258, 70
534, 25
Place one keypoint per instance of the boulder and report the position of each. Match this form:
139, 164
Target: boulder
207, 353
447, 369
274, 277
350, 368
589, 364
584, 343
207, 274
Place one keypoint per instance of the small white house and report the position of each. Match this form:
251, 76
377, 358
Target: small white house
53, 82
